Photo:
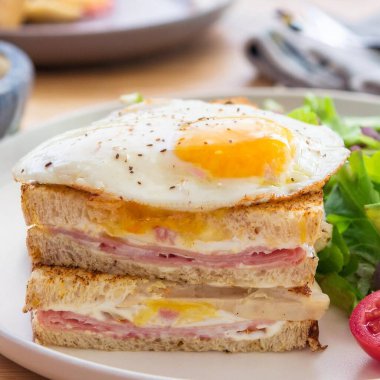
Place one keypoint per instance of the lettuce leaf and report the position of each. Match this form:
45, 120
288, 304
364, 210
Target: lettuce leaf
352, 204
305, 114
373, 213
323, 110
364, 121
353, 208
340, 291
372, 164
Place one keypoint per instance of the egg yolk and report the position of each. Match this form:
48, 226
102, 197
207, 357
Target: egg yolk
262, 149
184, 311
119, 217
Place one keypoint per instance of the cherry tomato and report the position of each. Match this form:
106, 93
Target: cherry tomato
365, 324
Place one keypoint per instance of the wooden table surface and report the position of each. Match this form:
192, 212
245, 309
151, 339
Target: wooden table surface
215, 62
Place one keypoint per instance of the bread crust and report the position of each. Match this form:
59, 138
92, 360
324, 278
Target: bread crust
60, 249
293, 335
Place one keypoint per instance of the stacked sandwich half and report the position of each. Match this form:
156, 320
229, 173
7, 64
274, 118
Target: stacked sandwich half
179, 225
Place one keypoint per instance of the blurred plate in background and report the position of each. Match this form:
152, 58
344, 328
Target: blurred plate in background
131, 29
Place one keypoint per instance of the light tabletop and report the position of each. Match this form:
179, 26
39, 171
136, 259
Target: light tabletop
215, 62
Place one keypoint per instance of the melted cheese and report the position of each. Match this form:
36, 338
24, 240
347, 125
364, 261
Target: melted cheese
184, 312
275, 304
119, 218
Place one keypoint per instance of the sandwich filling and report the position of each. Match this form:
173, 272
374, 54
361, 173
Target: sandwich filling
124, 329
127, 307
271, 236
172, 256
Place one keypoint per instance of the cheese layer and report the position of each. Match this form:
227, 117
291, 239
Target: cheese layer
175, 305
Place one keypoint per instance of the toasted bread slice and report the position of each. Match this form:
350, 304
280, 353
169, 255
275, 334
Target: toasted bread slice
282, 224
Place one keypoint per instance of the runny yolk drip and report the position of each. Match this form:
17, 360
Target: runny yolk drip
184, 311
119, 217
259, 149
303, 229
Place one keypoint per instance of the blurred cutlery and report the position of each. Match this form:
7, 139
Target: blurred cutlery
295, 59
316, 24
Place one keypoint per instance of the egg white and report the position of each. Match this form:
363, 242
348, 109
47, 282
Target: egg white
130, 155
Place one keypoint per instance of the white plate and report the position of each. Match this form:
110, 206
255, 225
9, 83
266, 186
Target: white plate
342, 360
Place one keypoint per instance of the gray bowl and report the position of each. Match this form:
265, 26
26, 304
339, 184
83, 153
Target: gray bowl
15, 86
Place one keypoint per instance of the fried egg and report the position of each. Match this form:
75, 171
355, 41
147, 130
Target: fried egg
189, 155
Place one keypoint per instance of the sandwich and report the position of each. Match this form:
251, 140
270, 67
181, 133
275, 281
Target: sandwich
253, 246
76, 308
219, 203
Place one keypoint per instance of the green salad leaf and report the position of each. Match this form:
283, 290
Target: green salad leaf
305, 114
366, 121
340, 291
324, 110
132, 98
352, 204
352, 207
373, 166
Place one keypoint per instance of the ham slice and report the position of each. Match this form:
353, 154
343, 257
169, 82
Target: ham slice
66, 320
172, 256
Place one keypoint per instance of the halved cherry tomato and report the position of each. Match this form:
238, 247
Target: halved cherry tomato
365, 324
